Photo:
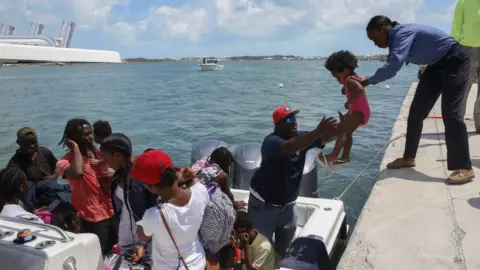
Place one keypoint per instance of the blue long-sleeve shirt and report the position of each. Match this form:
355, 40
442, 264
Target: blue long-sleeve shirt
413, 43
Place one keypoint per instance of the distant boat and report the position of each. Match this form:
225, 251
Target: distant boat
210, 64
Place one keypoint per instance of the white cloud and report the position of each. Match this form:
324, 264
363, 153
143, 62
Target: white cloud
255, 20
185, 21
261, 18
445, 16
125, 33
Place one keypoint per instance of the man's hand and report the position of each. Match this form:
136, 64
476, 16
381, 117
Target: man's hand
51, 177
341, 117
186, 174
362, 80
244, 239
138, 254
327, 129
239, 205
327, 126
421, 70
71, 144
94, 162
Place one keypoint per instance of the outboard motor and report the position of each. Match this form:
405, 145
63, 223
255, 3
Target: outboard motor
247, 158
309, 183
205, 148
306, 253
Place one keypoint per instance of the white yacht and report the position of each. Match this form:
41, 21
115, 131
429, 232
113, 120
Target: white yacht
210, 64
38, 48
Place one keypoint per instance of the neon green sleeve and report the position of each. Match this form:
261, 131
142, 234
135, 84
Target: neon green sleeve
458, 20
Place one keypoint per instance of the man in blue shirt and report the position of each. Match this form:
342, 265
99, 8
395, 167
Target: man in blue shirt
275, 185
446, 74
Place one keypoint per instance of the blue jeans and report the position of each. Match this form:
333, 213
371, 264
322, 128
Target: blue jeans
268, 219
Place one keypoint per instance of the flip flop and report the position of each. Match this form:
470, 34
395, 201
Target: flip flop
341, 162
324, 163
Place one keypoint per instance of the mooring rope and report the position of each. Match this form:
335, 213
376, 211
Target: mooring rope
363, 170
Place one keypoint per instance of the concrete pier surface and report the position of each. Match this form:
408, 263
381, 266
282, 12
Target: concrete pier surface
412, 219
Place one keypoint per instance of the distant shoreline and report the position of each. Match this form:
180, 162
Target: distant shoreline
246, 58
199, 59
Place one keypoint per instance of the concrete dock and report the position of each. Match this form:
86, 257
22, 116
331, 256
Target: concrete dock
412, 219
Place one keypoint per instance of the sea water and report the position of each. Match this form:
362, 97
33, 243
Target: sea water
173, 105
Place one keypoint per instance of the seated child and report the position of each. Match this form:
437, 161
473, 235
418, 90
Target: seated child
259, 252
13, 188
66, 217
230, 256
342, 65
101, 130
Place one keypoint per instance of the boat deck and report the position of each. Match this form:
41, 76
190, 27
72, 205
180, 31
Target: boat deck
412, 219
320, 217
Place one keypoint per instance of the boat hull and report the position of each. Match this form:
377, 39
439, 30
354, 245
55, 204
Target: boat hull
210, 67
16, 52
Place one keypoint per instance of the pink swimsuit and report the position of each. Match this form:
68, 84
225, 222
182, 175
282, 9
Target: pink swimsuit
360, 104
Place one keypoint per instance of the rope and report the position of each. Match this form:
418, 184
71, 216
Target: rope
364, 168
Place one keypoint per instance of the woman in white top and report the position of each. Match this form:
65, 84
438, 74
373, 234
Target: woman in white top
175, 243
13, 188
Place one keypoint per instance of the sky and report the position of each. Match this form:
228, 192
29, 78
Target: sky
177, 28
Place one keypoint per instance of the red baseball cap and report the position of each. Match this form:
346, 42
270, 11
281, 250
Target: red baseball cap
149, 166
282, 112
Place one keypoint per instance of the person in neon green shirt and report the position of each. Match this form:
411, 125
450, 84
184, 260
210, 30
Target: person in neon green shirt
466, 30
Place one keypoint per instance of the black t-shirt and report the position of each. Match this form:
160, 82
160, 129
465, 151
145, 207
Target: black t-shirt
277, 180
43, 165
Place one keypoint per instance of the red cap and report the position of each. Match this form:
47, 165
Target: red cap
282, 112
149, 166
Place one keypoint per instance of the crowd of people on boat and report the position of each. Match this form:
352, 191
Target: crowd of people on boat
167, 217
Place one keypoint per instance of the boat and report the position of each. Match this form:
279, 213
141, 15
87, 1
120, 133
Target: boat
321, 220
38, 48
51, 248
210, 64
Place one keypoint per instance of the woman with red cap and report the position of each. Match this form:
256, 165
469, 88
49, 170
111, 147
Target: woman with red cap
172, 226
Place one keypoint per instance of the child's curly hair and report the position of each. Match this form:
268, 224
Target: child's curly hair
338, 61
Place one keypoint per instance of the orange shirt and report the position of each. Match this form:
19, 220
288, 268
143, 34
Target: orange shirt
91, 201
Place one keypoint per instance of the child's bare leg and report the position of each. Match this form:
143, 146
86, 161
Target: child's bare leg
346, 148
349, 125
332, 157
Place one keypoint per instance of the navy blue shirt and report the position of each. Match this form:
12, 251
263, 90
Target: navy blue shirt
278, 178
413, 43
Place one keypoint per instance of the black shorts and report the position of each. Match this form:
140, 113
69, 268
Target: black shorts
106, 230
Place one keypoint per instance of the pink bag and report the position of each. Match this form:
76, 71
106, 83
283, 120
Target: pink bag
44, 215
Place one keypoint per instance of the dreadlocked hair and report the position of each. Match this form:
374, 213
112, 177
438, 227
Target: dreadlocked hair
222, 157
11, 180
338, 61
73, 130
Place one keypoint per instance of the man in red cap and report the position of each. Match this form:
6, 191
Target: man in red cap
275, 185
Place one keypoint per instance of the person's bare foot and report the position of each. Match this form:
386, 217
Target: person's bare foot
331, 158
342, 160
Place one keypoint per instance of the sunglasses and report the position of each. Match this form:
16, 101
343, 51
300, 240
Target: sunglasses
290, 119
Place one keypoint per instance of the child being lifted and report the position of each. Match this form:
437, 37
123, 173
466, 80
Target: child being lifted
342, 65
